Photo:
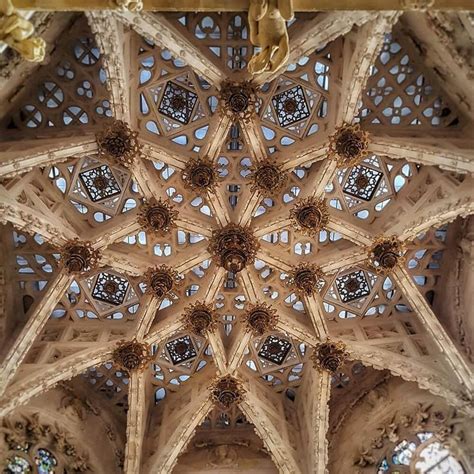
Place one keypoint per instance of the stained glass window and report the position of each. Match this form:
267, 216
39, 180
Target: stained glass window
291, 106
362, 182
100, 183
177, 102
19, 465
45, 461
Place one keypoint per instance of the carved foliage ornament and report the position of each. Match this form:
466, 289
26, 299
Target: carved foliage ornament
77, 256
267, 22
26, 431
306, 278
268, 178
158, 216
385, 254
131, 355
160, 281
17, 32
200, 318
118, 143
226, 392
349, 145
260, 318
238, 99
233, 247
309, 216
200, 175
330, 356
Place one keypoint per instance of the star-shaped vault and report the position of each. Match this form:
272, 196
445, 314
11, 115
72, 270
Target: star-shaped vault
211, 147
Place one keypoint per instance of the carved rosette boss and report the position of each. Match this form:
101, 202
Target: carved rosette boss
161, 281
200, 318
77, 256
237, 100
330, 356
233, 247
385, 254
306, 279
118, 143
309, 216
200, 175
226, 392
260, 318
131, 355
158, 216
349, 145
268, 178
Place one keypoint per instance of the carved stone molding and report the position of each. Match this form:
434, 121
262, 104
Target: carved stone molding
309, 216
118, 143
260, 318
233, 247
78, 257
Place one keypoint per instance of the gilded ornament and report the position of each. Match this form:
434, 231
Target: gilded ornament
260, 318
161, 281
200, 175
118, 143
421, 5
385, 254
227, 392
233, 247
134, 6
158, 216
349, 145
131, 355
77, 256
200, 318
329, 355
267, 178
309, 216
267, 23
17, 32
238, 100
306, 279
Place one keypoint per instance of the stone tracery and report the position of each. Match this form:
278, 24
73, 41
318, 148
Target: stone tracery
233, 245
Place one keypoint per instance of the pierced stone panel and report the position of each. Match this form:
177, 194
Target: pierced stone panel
291, 106
181, 349
100, 183
275, 349
110, 288
362, 182
177, 102
352, 286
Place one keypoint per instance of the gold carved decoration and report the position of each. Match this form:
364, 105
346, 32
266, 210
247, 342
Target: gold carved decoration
200, 175
309, 216
131, 355
385, 254
306, 279
237, 100
226, 392
118, 143
268, 178
17, 32
158, 216
329, 355
160, 281
200, 318
77, 256
349, 145
130, 5
260, 318
233, 247
267, 22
